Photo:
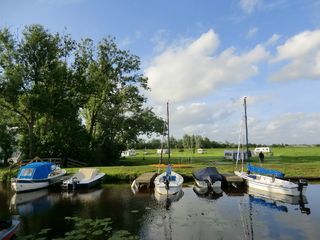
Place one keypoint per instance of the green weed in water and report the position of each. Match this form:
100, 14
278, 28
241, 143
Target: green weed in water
94, 229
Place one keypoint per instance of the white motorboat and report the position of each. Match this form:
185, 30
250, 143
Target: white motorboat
168, 182
37, 175
84, 178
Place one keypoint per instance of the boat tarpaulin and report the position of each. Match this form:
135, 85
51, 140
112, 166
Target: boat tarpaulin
210, 174
36, 170
265, 171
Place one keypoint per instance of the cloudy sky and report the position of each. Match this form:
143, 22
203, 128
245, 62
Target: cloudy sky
204, 56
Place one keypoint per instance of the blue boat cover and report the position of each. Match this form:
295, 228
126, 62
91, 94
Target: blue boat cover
265, 171
36, 170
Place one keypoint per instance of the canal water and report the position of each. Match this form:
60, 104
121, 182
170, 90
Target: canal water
227, 214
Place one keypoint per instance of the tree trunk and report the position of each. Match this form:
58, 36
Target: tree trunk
31, 136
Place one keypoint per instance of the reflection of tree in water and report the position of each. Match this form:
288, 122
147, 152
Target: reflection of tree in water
4, 206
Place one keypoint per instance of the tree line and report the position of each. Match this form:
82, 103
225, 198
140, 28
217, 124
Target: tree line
65, 98
190, 142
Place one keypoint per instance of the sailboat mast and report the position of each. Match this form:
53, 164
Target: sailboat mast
246, 125
168, 130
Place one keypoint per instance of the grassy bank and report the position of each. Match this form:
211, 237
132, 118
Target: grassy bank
294, 162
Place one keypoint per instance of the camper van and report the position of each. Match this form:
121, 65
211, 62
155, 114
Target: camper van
128, 153
232, 154
262, 149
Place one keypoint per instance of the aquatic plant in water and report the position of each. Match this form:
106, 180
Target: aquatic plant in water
94, 229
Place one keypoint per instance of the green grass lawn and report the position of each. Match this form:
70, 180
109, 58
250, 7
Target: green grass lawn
293, 161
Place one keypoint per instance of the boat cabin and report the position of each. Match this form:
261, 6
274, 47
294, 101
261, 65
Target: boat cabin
36, 170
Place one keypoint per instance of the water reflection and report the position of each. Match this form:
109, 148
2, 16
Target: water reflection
32, 202
168, 199
211, 194
83, 195
276, 201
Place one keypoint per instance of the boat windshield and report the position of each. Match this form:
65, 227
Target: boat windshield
27, 172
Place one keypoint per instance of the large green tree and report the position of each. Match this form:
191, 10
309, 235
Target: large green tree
37, 86
114, 112
72, 99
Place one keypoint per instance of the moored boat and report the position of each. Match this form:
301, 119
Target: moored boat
8, 229
37, 175
168, 183
84, 178
267, 179
207, 177
273, 184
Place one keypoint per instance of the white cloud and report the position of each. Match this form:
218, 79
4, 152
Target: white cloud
301, 56
274, 38
220, 121
194, 69
252, 32
248, 5
291, 128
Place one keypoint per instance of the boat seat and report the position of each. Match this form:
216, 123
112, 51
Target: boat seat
171, 178
86, 173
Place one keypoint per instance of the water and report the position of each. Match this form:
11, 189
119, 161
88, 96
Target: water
231, 214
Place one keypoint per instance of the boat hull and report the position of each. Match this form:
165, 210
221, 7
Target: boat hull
270, 184
84, 184
204, 184
174, 186
8, 233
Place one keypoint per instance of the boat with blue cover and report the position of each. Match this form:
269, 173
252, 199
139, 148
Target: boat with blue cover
269, 181
265, 179
37, 175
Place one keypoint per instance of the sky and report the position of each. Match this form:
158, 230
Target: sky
205, 56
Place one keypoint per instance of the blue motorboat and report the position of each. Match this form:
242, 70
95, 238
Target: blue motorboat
37, 175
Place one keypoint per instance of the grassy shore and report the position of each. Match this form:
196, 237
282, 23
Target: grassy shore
295, 162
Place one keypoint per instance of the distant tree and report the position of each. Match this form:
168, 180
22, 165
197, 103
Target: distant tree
198, 141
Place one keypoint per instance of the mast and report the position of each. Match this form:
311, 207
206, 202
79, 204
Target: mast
246, 125
168, 131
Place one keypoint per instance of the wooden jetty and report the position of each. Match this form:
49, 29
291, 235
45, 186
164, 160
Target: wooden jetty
231, 179
144, 180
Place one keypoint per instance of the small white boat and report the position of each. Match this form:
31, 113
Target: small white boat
168, 182
37, 175
84, 178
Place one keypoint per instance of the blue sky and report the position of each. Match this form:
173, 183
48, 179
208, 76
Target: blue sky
203, 56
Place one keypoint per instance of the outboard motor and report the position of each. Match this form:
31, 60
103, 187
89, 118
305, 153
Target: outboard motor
301, 184
75, 181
